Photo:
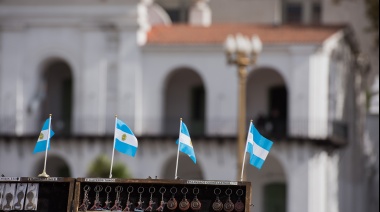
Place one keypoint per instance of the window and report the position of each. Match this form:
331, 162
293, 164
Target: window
302, 12
316, 13
197, 110
66, 97
178, 10
293, 12
278, 102
59, 95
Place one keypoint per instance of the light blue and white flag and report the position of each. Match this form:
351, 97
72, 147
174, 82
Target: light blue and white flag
43, 139
185, 144
125, 140
249, 145
261, 148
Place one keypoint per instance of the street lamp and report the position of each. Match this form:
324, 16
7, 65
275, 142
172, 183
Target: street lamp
242, 51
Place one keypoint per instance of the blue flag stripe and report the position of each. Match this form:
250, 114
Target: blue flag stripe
125, 148
184, 129
261, 140
188, 150
41, 146
123, 127
256, 161
46, 125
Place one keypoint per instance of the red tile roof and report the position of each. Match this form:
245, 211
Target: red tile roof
217, 33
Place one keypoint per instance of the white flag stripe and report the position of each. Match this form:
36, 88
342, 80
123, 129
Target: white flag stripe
250, 138
259, 152
185, 139
131, 139
45, 133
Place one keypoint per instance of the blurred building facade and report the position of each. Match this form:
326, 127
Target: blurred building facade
154, 62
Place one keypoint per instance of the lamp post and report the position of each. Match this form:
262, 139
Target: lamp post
242, 52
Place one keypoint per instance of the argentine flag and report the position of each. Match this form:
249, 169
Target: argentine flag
260, 147
125, 140
249, 147
43, 138
185, 144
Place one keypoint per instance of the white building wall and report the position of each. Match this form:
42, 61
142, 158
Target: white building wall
44, 44
332, 187
12, 43
297, 170
129, 80
311, 176
221, 89
87, 50
91, 99
76, 37
318, 96
299, 91
219, 81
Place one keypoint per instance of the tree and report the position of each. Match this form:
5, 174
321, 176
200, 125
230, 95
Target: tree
100, 167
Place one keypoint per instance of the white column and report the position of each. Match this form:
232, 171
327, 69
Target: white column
129, 95
298, 179
299, 91
93, 99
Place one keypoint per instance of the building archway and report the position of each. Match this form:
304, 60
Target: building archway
267, 102
58, 89
56, 167
269, 186
185, 97
186, 168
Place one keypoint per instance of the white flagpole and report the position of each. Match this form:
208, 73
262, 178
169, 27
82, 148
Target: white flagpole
245, 153
113, 149
43, 174
176, 167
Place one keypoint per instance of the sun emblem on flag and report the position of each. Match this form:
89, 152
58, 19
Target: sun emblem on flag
124, 137
41, 136
191, 143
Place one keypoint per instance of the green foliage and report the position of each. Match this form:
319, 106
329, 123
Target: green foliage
101, 168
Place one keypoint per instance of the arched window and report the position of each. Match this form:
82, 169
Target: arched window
267, 102
185, 98
58, 95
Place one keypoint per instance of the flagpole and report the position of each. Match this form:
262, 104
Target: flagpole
176, 167
113, 149
245, 153
43, 174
